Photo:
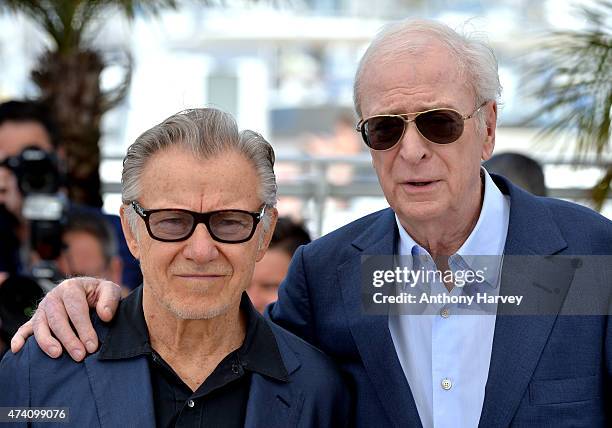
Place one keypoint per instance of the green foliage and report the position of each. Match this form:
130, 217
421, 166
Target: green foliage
575, 86
67, 21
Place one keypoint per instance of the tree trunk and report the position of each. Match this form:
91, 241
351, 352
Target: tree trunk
70, 85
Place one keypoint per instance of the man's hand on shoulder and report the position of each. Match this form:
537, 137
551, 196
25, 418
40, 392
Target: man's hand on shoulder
67, 303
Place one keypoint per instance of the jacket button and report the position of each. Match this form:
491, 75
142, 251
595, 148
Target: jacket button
190, 403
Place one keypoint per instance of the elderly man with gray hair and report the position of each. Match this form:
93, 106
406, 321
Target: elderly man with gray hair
187, 348
427, 101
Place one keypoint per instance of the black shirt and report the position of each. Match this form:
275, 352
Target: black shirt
220, 401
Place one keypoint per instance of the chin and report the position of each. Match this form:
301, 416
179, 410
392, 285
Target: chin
420, 211
195, 311
200, 304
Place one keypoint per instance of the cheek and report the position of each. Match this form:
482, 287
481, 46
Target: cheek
243, 264
382, 166
154, 261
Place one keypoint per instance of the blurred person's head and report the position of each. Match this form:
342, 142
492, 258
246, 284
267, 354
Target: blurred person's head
520, 169
89, 247
426, 97
24, 124
272, 268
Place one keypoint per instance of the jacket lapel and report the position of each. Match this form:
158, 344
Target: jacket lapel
273, 403
520, 338
371, 332
122, 391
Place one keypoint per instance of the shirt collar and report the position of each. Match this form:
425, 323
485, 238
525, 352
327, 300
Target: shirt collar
128, 337
488, 238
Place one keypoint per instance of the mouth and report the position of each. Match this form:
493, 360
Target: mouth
421, 183
199, 276
420, 186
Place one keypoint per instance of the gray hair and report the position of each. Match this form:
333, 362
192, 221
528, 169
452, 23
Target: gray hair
205, 132
475, 60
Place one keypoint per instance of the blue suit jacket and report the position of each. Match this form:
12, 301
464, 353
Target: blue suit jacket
118, 393
545, 370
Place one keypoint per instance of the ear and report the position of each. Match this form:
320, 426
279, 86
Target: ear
265, 241
491, 124
131, 240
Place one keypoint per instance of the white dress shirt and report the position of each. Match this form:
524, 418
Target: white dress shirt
445, 356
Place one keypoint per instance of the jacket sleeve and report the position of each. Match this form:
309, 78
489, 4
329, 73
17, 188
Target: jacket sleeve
292, 311
15, 382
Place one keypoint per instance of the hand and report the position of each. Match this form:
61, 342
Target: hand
70, 301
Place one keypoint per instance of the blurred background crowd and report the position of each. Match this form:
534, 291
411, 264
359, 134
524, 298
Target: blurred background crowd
79, 81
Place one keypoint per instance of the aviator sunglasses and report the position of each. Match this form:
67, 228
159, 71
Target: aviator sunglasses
439, 125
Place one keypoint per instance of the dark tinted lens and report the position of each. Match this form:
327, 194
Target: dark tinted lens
382, 133
231, 225
170, 224
440, 126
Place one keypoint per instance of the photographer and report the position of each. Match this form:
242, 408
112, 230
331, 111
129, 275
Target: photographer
34, 212
22, 125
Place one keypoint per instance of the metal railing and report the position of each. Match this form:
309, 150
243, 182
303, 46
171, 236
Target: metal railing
311, 182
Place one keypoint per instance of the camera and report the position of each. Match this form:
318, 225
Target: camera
39, 178
37, 171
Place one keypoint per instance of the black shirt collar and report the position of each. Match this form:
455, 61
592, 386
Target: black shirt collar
128, 337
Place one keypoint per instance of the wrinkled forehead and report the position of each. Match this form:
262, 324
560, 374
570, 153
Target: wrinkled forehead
420, 53
405, 84
420, 64
177, 177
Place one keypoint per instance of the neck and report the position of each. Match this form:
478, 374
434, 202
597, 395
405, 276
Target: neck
193, 348
442, 237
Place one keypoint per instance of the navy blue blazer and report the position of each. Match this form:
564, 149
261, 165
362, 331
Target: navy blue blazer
117, 393
545, 370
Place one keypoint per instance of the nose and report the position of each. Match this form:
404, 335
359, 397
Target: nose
200, 247
413, 146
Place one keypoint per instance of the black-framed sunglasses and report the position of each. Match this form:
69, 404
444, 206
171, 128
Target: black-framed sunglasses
438, 125
175, 224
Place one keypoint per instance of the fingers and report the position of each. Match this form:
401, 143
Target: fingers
70, 300
39, 326
20, 336
75, 303
53, 316
109, 295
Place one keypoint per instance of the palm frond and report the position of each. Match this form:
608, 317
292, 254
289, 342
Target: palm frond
572, 76
66, 21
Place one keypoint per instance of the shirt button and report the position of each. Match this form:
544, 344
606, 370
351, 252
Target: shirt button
190, 403
445, 313
446, 384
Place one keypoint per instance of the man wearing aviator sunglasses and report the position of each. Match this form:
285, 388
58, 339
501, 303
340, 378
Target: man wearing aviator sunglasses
188, 348
427, 99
